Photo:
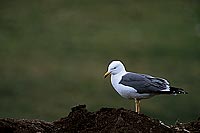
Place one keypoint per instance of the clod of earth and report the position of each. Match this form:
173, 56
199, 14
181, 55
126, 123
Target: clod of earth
104, 120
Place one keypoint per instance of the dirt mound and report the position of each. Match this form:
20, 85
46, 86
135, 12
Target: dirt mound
104, 120
108, 120
193, 126
25, 126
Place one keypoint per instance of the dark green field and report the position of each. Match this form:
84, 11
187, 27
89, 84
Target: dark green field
54, 53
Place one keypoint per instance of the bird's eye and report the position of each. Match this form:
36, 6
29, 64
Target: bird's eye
114, 67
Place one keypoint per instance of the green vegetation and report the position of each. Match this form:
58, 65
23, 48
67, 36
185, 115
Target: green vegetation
54, 54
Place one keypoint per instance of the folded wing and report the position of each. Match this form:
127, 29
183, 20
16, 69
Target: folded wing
145, 83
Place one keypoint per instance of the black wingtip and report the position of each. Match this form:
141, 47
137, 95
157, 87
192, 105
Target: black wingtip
175, 90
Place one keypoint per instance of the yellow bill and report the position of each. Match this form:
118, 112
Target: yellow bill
106, 74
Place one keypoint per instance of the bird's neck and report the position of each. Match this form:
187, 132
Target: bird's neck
120, 73
115, 79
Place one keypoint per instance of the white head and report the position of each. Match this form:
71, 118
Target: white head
115, 67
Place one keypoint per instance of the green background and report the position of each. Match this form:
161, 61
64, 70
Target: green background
54, 53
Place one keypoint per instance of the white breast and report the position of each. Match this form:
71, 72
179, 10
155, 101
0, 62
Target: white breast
124, 91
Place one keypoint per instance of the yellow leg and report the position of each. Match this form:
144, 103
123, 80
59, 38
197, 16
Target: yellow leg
137, 106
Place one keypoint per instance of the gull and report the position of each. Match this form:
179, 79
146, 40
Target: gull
138, 86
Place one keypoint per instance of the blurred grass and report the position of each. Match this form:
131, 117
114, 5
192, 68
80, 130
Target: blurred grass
54, 54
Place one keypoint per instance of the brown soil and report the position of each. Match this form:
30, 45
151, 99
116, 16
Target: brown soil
104, 120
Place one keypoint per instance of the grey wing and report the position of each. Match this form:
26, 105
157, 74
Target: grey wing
144, 83
156, 80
